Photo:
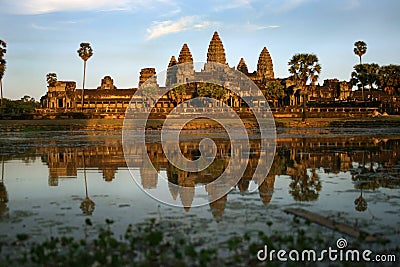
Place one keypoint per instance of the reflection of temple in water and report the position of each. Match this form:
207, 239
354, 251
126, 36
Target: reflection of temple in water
297, 157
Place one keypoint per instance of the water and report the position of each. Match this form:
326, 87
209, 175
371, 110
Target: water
350, 175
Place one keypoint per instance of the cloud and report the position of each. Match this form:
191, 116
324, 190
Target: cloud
234, 4
283, 6
31, 7
42, 28
254, 27
160, 28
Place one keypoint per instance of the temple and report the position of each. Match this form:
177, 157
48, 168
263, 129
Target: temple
109, 101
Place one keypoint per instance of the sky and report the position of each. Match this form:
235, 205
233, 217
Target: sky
43, 36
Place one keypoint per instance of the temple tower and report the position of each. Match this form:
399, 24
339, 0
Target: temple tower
216, 53
171, 72
107, 84
145, 74
265, 69
242, 66
185, 72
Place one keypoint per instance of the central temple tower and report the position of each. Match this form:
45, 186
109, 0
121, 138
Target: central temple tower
216, 52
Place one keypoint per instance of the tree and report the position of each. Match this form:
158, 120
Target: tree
3, 62
360, 48
178, 94
51, 78
389, 78
212, 90
150, 92
365, 75
275, 91
304, 68
85, 52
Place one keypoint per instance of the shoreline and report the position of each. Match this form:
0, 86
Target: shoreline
198, 124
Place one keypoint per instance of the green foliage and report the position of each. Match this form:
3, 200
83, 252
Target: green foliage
212, 90
365, 75
150, 91
389, 78
178, 94
274, 90
147, 245
304, 68
26, 104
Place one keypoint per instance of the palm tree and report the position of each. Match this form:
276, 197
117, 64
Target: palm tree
3, 62
51, 78
360, 49
85, 52
304, 68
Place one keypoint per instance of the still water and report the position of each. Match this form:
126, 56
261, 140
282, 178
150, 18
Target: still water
53, 180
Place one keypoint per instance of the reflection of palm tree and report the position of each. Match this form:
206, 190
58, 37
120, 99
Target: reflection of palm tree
361, 203
3, 192
304, 187
87, 205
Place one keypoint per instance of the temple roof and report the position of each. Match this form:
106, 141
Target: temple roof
216, 51
185, 55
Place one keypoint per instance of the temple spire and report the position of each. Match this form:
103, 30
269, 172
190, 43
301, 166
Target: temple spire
242, 66
185, 55
265, 68
172, 62
216, 51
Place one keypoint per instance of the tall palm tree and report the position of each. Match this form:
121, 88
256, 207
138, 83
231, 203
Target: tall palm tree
360, 48
85, 52
3, 62
304, 68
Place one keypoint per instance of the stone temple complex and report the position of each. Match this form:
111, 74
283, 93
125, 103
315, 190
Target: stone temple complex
63, 96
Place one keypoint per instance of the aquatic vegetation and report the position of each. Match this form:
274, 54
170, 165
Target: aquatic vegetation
146, 244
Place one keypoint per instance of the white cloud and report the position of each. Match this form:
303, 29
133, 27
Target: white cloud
42, 28
254, 27
283, 6
30, 7
234, 4
160, 28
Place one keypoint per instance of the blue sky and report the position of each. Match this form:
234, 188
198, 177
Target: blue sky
127, 35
